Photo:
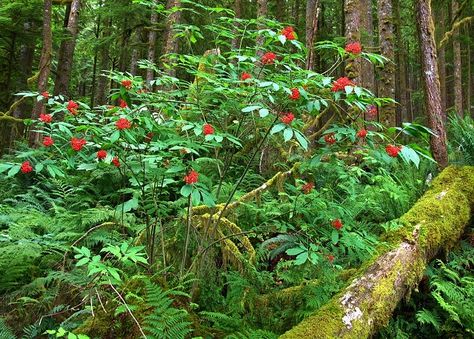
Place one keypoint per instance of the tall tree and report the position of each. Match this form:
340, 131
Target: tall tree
352, 16
386, 88
44, 64
170, 44
430, 77
313, 8
401, 57
457, 66
262, 11
367, 40
238, 15
442, 54
152, 42
66, 51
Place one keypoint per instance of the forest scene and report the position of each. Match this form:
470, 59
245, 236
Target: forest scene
245, 169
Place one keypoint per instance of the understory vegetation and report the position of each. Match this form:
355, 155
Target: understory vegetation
218, 206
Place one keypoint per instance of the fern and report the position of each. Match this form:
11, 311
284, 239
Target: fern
165, 321
427, 317
5, 331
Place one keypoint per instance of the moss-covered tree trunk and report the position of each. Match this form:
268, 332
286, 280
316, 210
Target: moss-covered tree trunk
387, 113
401, 57
436, 221
170, 43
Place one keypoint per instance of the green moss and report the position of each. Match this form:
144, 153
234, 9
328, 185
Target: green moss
436, 221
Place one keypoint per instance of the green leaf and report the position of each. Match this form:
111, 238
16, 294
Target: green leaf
288, 134
301, 140
207, 199
87, 167
71, 336
115, 136
127, 206
4, 167
186, 190
250, 108
295, 250
263, 112
301, 259
82, 262
277, 128
39, 167
196, 197
282, 39
13, 171
335, 237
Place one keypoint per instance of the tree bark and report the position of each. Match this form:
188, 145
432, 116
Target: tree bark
152, 43
313, 8
431, 84
262, 12
469, 72
136, 39
170, 43
238, 15
387, 112
435, 222
457, 65
442, 57
352, 17
66, 50
367, 40
44, 64
104, 66
401, 82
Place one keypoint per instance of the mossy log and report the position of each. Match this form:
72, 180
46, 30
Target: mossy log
434, 223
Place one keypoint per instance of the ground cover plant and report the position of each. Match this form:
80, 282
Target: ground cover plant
229, 201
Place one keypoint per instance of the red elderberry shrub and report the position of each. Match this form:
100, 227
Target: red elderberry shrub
295, 94
337, 224
46, 118
77, 144
48, 141
372, 111
287, 118
268, 58
245, 76
116, 162
354, 48
72, 107
101, 154
207, 129
191, 177
127, 84
122, 103
341, 83
330, 139
393, 150
331, 258
362, 133
307, 188
26, 167
289, 33
123, 123
45, 95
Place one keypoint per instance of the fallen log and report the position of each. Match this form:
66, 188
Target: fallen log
435, 222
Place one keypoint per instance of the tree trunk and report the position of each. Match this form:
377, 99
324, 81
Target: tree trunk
352, 14
104, 66
152, 43
136, 39
96, 52
468, 61
262, 12
238, 15
435, 222
280, 10
457, 65
170, 43
387, 112
313, 8
401, 67
44, 65
442, 57
432, 90
367, 40
66, 50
